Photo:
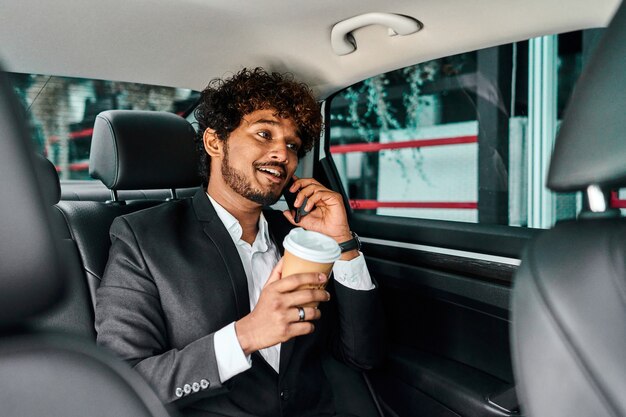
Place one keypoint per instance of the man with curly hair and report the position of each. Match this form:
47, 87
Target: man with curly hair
222, 331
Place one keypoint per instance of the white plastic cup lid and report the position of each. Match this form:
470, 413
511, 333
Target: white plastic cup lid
312, 246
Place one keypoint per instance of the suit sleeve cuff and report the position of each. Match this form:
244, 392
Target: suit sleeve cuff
228, 353
353, 274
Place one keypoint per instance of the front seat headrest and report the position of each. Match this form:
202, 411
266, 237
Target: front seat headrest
30, 279
132, 149
590, 148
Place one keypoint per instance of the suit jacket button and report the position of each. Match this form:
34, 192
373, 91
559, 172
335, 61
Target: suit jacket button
204, 384
187, 389
179, 392
195, 387
284, 395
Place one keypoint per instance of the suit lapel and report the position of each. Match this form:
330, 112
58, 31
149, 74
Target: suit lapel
217, 233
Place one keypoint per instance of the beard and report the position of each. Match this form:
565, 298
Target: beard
236, 180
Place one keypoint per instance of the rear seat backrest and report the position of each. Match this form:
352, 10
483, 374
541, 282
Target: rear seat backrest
129, 150
74, 313
88, 223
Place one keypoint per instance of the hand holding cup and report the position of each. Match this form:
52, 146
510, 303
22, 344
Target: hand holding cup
306, 252
276, 318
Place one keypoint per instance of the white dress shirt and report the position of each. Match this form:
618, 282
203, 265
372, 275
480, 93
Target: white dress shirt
258, 261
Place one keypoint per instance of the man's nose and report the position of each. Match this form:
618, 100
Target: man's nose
279, 152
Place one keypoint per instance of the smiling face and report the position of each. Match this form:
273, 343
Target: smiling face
258, 157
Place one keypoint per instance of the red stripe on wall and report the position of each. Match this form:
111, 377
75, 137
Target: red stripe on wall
373, 204
616, 202
78, 166
85, 133
417, 143
81, 133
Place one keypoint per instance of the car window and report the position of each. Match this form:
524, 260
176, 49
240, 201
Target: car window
465, 137
62, 111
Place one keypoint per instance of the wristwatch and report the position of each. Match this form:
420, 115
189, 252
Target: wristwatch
354, 243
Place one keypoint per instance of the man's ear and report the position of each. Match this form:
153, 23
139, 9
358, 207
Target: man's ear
212, 144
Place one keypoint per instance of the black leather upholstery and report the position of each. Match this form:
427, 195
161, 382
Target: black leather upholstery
133, 150
46, 375
130, 150
81, 237
89, 223
49, 181
74, 312
30, 275
96, 191
51, 376
569, 301
590, 148
570, 321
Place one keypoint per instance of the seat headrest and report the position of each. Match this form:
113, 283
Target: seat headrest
591, 145
30, 279
132, 149
48, 180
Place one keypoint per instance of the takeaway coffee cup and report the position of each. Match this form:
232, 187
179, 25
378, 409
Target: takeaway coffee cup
307, 251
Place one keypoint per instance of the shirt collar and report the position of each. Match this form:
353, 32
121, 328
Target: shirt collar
234, 228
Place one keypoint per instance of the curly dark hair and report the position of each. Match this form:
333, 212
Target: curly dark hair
224, 102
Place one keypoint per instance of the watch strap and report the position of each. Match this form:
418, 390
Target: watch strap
351, 244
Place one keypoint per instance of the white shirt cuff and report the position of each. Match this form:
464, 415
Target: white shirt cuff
353, 274
228, 353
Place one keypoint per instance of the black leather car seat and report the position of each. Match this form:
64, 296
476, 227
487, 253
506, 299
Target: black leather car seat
569, 301
130, 150
74, 313
46, 374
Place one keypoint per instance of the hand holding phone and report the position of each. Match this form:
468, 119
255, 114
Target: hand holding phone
290, 198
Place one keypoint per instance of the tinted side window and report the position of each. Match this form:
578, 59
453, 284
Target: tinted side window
451, 138
405, 142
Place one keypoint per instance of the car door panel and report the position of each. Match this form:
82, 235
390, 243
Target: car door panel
445, 287
448, 332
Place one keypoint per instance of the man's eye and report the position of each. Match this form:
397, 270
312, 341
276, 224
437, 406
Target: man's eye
293, 146
264, 134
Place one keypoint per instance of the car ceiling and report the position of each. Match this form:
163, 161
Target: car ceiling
184, 43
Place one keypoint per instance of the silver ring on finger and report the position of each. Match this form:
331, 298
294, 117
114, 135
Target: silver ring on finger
300, 313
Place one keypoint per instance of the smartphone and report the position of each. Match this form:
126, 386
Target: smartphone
290, 199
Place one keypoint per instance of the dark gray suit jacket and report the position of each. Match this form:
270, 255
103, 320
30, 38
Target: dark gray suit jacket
174, 278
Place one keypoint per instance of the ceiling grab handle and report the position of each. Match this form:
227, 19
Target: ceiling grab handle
343, 42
